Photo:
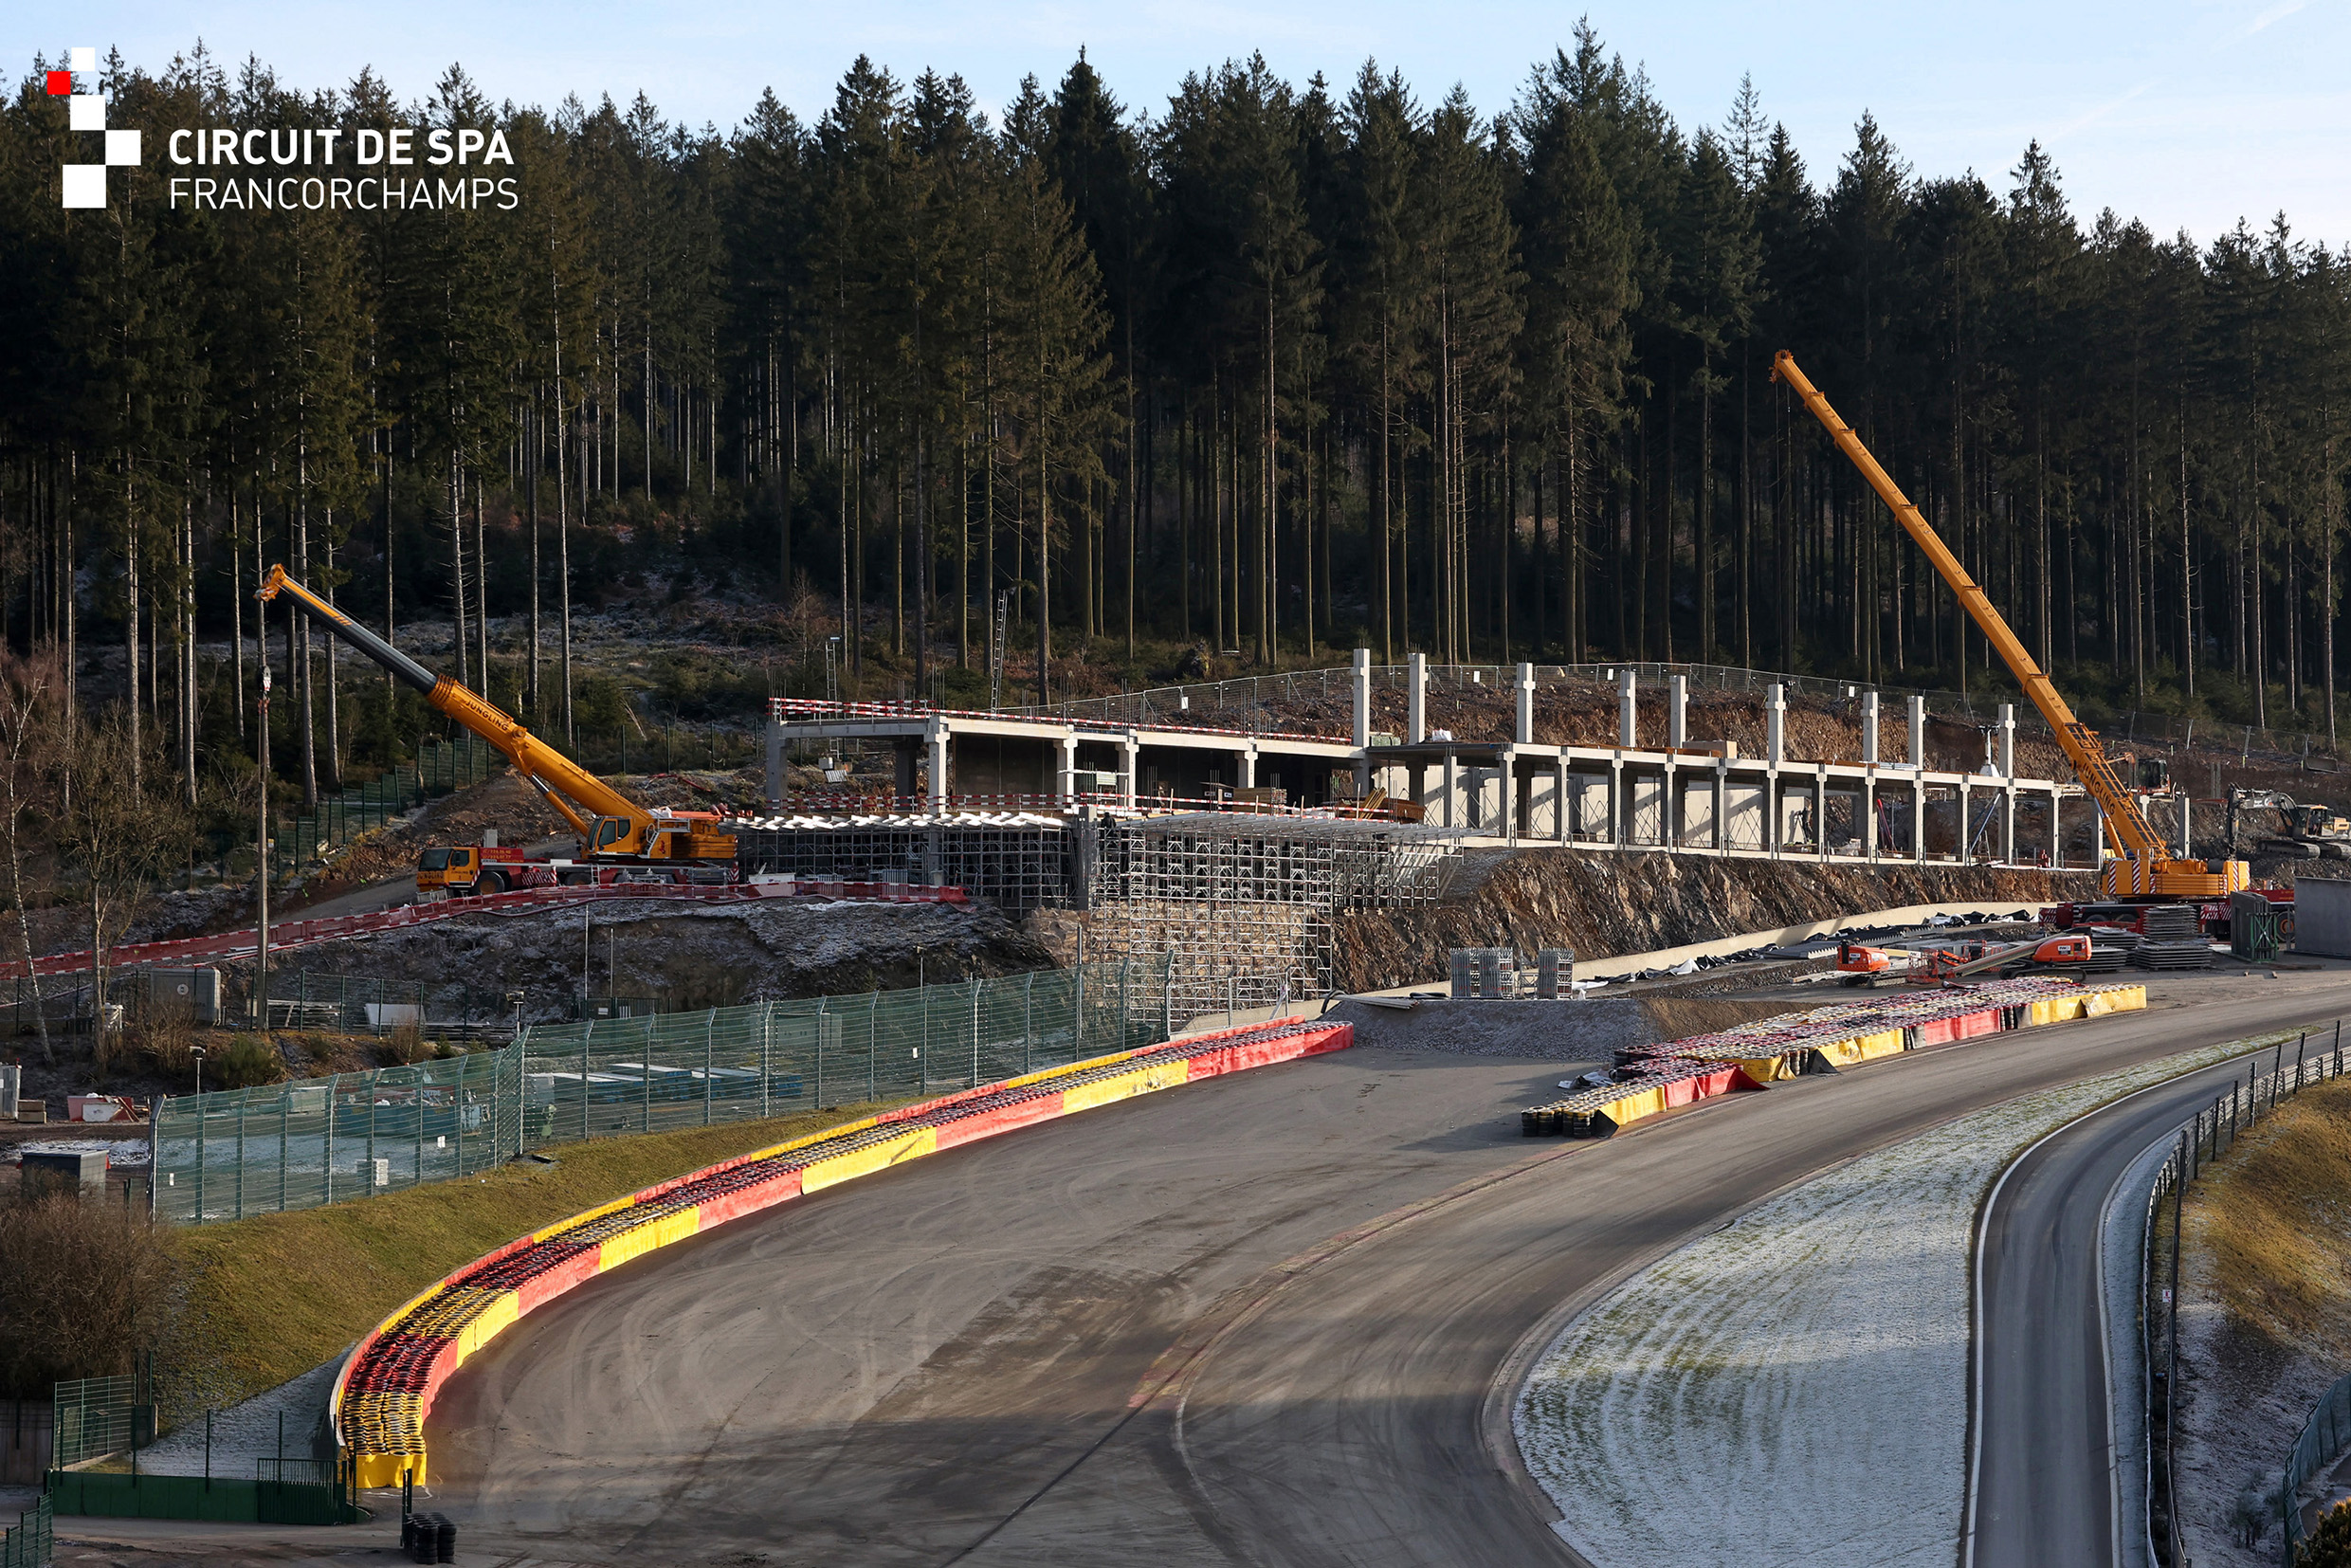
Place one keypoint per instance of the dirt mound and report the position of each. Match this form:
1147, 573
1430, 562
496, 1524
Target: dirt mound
686, 956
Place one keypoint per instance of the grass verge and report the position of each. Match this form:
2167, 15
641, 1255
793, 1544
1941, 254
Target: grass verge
2262, 1213
271, 1297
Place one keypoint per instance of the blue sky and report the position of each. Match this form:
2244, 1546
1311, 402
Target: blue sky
2185, 113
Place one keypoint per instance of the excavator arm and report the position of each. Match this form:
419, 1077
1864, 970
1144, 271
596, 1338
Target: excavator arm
2150, 869
607, 822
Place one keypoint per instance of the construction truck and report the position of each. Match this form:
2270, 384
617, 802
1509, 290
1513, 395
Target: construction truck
1860, 965
2311, 831
2142, 869
619, 840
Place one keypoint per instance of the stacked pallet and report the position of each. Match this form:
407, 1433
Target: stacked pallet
1651, 1079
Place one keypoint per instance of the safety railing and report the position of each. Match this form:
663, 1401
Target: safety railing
2210, 1134
313, 1141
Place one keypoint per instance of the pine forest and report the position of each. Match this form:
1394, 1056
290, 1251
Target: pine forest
1089, 393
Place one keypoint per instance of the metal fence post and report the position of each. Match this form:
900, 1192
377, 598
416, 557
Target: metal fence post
327, 1162
424, 1076
767, 1031
975, 1032
1029, 1022
285, 1115
820, 1052
1126, 966
374, 1078
710, 1027
239, 1209
584, 1036
873, 1041
197, 1101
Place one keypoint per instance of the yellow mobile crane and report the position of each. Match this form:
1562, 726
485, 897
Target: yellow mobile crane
615, 830
2144, 866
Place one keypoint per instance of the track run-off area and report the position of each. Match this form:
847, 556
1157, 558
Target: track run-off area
1274, 1317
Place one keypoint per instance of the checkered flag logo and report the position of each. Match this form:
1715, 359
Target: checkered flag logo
85, 183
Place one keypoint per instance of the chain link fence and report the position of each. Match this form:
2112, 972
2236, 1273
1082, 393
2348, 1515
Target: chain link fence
302, 1144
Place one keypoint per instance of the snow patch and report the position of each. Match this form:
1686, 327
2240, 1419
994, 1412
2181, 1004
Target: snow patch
1793, 1389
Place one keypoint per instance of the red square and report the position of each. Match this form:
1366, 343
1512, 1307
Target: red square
61, 84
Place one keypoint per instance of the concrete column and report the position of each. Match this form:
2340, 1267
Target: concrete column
1453, 813
1510, 796
1558, 796
1669, 814
1617, 802
1363, 674
1677, 714
1960, 855
1775, 725
2008, 741
1247, 758
1416, 698
2007, 822
1722, 801
1869, 812
1820, 810
1128, 750
1869, 726
1628, 711
1064, 784
938, 739
1524, 733
1918, 732
1918, 806
774, 755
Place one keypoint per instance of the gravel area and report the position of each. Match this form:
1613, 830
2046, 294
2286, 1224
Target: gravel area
247, 1432
1793, 1389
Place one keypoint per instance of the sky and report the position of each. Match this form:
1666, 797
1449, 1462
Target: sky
2186, 114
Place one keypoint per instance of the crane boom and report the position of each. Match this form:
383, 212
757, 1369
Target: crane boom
2147, 867
614, 824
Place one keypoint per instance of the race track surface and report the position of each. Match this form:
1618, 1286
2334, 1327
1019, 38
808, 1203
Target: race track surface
2045, 1484
1276, 1318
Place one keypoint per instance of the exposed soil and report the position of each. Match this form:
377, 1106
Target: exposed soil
685, 957
1603, 905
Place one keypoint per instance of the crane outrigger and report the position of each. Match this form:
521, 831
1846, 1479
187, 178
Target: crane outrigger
2144, 866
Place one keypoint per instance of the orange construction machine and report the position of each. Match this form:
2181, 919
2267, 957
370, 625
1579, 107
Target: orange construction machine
619, 840
2144, 866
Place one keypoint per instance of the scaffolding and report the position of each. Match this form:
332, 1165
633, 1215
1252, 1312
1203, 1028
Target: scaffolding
1247, 904
1015, 860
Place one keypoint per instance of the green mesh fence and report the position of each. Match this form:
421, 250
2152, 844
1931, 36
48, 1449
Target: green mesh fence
441, 767
28, 1542
92, 1417
320, 1140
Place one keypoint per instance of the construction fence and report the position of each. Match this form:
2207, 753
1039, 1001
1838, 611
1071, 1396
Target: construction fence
313, 1141
27, 1544
1246, 702
441, 767
2264, 1081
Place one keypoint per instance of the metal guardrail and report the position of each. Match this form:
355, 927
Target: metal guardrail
313, 1141
2211, 1133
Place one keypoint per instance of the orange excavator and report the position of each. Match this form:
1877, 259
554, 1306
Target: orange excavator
2144, 867
618, 839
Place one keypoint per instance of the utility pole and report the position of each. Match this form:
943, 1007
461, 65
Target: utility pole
261, 956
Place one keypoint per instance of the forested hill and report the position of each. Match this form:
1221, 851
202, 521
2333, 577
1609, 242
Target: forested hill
1268, 367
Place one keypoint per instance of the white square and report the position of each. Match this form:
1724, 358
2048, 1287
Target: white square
85, 185
122, 149
85, 112
82, 59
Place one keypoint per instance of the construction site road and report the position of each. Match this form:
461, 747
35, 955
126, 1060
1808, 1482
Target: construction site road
1279, 1318
2044, 1487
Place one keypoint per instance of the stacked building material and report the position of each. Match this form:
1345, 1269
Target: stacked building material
1824, 1039
2195, 954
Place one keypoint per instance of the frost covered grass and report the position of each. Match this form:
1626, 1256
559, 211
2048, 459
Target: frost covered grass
1793, 1389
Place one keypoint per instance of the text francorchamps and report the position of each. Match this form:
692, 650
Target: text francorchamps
379, 152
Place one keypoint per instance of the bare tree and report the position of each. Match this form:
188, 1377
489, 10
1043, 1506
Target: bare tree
28, 744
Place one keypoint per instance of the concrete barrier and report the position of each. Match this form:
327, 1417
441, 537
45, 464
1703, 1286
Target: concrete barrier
388, 1384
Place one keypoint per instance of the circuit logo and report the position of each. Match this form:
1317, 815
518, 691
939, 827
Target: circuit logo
85, 183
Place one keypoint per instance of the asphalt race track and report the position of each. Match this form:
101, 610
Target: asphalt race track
1272, 1319
2044, 1490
